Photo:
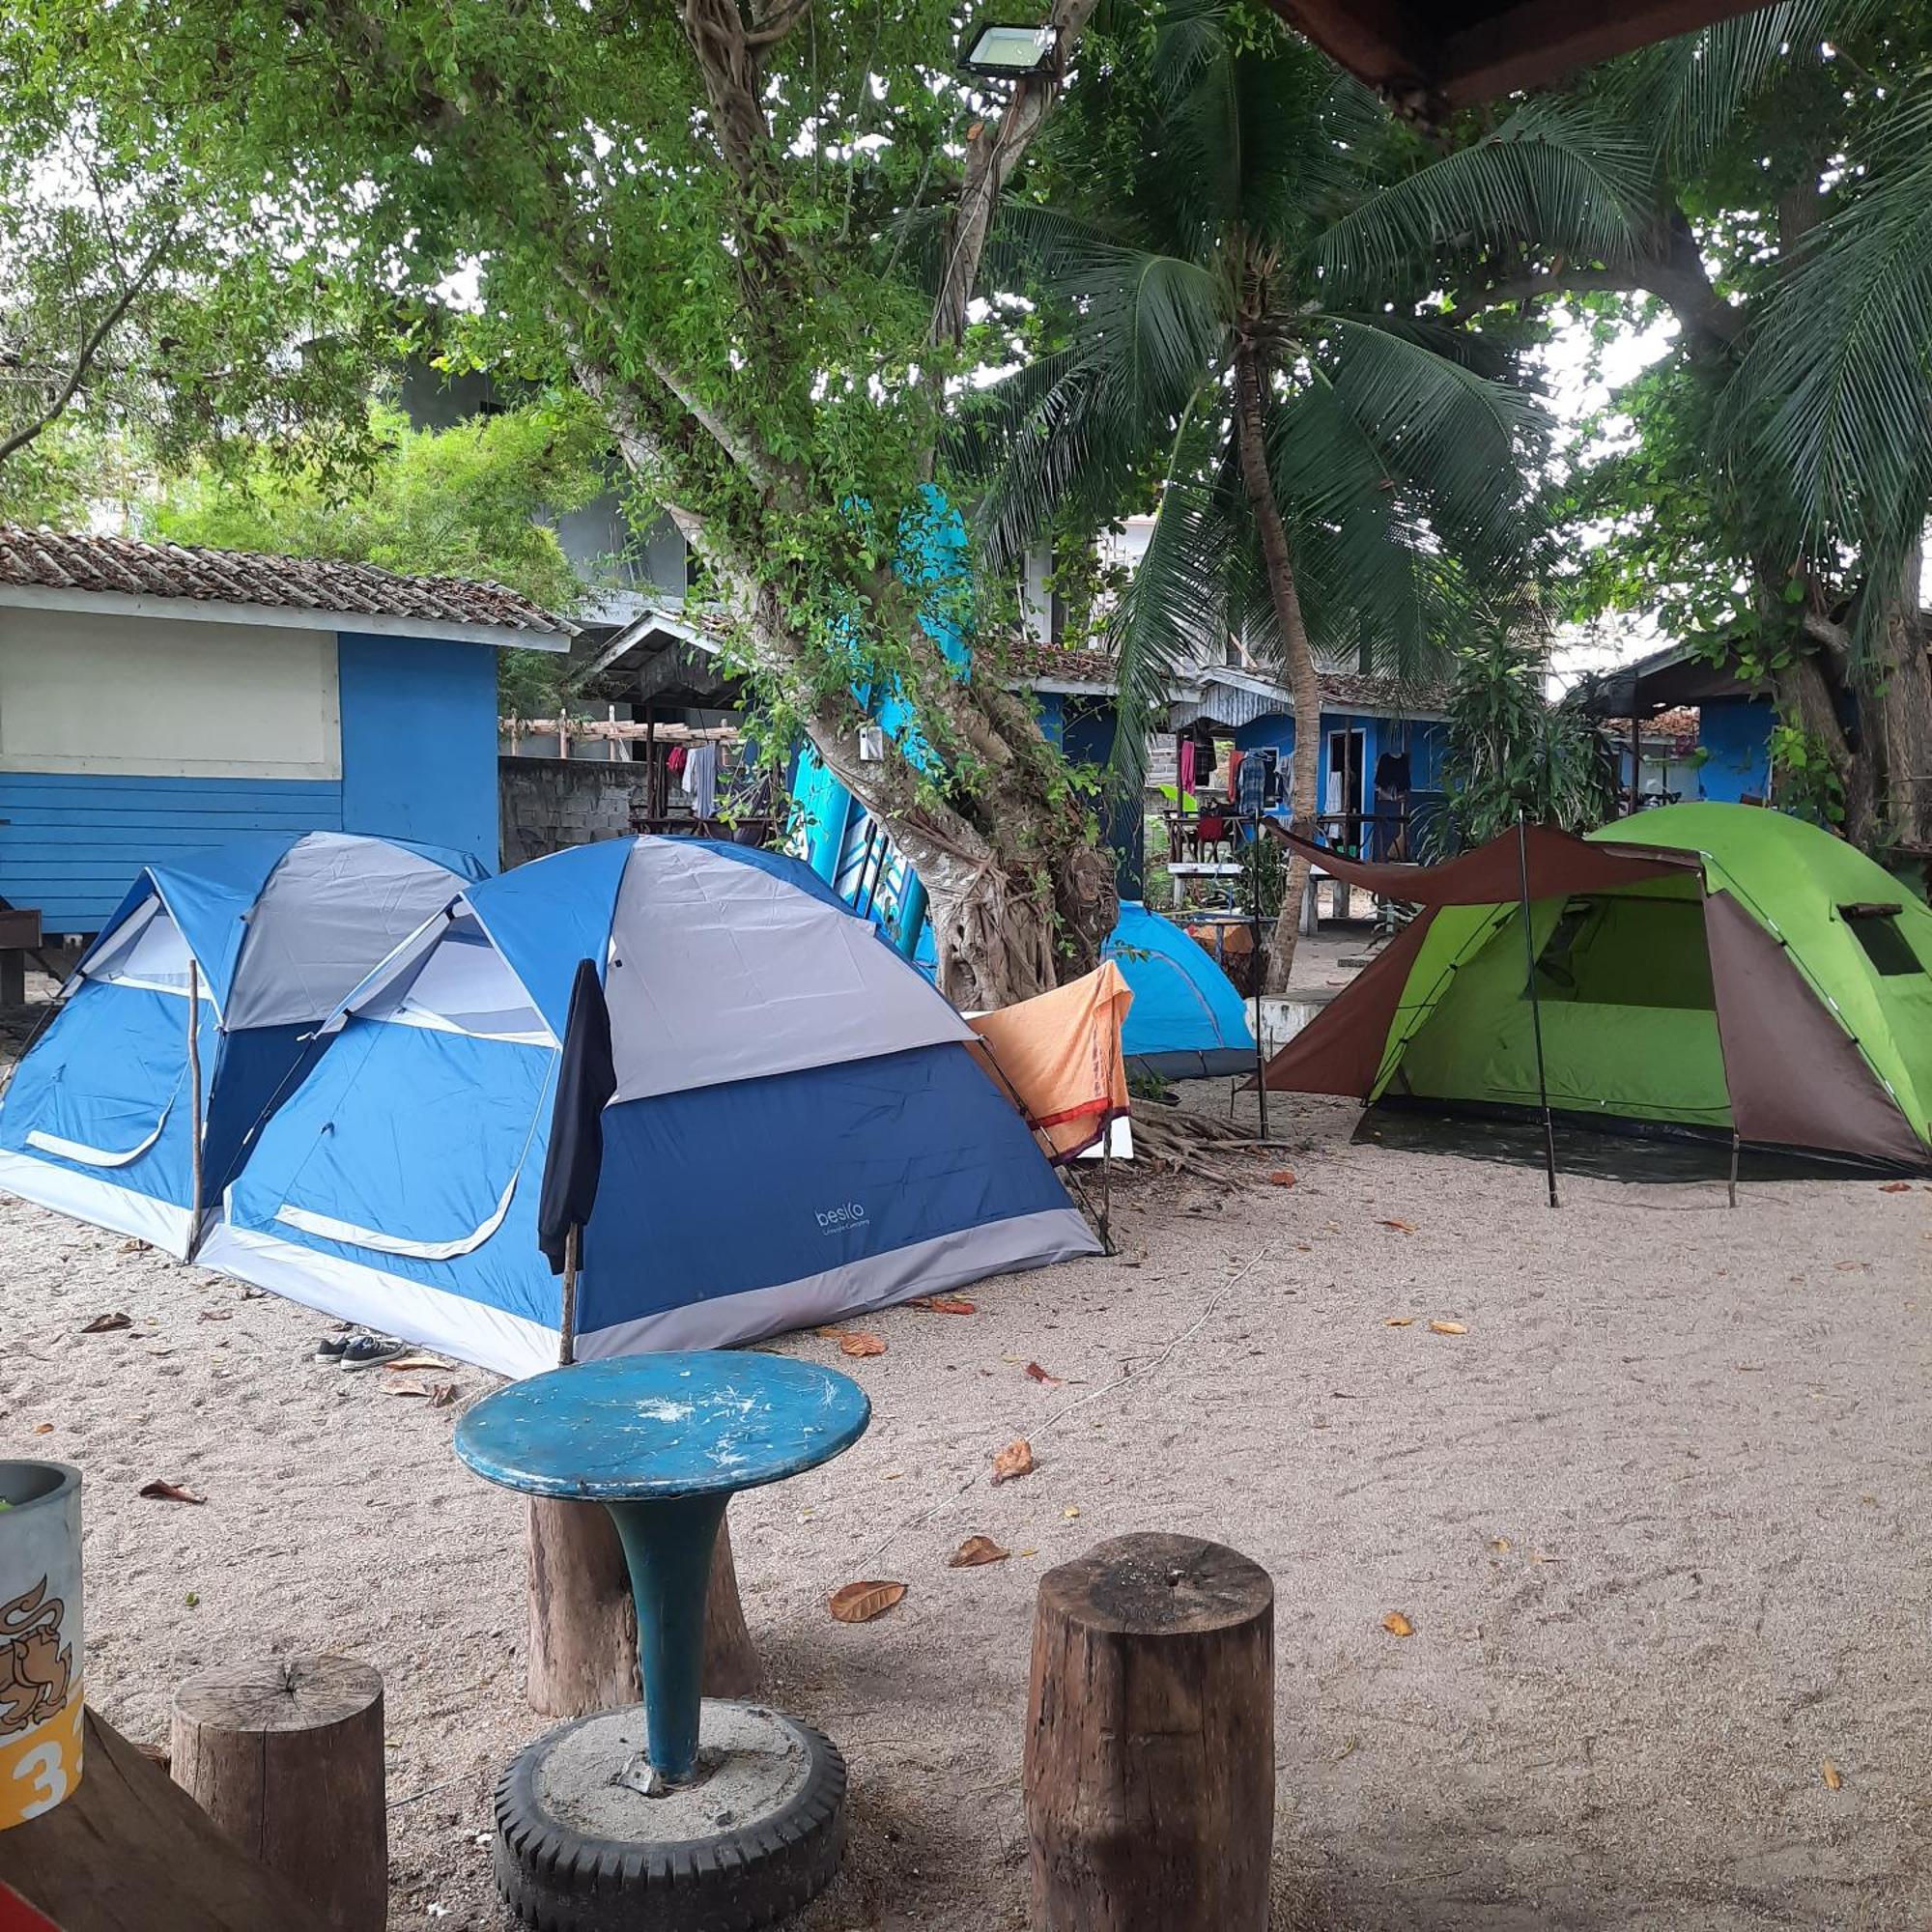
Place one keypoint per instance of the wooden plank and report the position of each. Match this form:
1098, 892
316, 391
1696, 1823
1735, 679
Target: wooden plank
129, 1851
1434, 57
19, 927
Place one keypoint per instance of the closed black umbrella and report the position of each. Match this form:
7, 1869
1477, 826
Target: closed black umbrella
585, 1084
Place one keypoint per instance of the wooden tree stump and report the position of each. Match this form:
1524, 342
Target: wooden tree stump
286, 1756
1149, 1751
583, 1625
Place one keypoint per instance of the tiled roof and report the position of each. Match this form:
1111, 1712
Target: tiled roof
1029, 660
1349, 689
121, 566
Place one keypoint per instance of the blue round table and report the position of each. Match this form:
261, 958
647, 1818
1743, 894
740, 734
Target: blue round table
663, 1441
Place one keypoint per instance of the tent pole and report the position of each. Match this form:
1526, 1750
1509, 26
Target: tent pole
1734, 1167
1535, 1004
1259, 976
194, 1104
566, 1350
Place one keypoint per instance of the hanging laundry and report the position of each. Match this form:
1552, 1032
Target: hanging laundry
1186, 768
675, 763
701, 778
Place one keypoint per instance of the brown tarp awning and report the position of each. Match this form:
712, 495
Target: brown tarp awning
1559, 864
1340, 1050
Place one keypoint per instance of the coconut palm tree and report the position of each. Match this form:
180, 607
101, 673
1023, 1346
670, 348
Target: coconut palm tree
1331, 476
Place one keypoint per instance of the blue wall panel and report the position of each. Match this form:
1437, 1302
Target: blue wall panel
71, 843
1737, 735
420, 741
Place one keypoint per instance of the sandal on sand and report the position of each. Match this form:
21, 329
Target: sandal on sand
366, 1350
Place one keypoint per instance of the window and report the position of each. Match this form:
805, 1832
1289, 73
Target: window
1877, 929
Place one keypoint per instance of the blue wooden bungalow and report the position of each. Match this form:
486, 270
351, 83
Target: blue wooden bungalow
155, 699
1380, 745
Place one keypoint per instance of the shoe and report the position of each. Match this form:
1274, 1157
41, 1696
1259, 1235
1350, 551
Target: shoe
365, 1351
331, 1348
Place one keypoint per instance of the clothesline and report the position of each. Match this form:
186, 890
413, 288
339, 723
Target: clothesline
620, 727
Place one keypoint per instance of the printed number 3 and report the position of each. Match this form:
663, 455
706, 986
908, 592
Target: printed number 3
43, 1766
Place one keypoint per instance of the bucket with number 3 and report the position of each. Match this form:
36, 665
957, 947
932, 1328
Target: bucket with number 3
39, 1637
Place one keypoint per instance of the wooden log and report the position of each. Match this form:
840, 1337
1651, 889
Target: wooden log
286, 1756
1149, 1749
583, 1625
131, 1852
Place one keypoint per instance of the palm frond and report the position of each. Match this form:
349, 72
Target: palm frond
1688, 93
1835, 391
1560, 173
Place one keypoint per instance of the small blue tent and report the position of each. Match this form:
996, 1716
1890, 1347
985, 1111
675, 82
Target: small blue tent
271, 931
798, 1132
1187, 1022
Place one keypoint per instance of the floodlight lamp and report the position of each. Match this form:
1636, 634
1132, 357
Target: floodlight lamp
1008, 50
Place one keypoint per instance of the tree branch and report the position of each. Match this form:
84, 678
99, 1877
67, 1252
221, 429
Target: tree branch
992, 151
91, 347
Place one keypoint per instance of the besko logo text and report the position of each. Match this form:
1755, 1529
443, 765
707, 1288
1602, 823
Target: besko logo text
833, 1219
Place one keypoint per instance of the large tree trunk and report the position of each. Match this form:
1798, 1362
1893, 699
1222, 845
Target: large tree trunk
1304, 791
1895, 692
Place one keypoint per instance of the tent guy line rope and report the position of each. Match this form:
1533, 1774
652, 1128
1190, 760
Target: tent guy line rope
1193, 1328
923, 1517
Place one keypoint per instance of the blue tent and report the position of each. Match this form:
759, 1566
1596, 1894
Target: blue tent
798, 1131
270, 932
1186, 1022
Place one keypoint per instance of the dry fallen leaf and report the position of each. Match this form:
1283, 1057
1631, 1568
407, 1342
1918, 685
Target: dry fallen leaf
405, 1363
1397, 1625
860, 1344
861, 1602
170, 1493
1500, 1543
106, 1324
404, 1389
1889, 1188
43, 1429
214, 1315
1398, 1321
1834, 1778
1015, 1460
946, 1304
976, 1550
1039, 1374
441, 1395
1543, 1556
1447, 1328
1283, 1177
134, 1247
1400, 1226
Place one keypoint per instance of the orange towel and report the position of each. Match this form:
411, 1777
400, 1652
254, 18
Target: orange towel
1061, 1055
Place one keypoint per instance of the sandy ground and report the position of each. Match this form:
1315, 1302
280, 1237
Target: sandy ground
1659, 1519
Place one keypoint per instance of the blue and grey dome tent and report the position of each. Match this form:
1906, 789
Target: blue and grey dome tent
798, 1130
270, 932
1187, 1022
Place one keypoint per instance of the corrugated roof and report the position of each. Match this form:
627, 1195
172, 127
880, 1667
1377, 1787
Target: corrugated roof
1232, 698
46, 559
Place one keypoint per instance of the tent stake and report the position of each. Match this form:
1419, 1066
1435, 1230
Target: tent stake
1734, 1167
566, 1347
1535, 1004
194, 1104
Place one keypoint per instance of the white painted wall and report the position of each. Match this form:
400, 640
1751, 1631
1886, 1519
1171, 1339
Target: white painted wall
80, 691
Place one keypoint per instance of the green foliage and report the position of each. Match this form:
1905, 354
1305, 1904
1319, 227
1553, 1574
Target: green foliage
1217, 183
466, 501
1263, 884
1808, 782
1511, 753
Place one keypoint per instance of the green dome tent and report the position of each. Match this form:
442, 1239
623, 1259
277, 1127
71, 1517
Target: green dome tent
1713, 968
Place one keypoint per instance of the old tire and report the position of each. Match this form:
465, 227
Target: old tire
562, 1867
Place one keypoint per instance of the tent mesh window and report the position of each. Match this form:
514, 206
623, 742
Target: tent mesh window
1876, 929
1627, 951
